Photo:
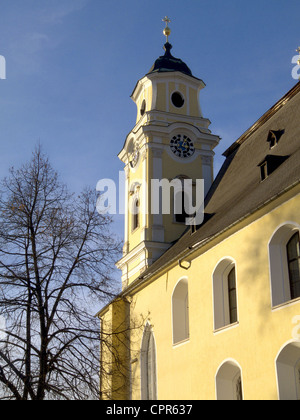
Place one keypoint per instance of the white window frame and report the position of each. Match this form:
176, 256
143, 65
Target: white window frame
278, 263
146, 392
287, 371
221, 293
180, 312
135, 198
227, 376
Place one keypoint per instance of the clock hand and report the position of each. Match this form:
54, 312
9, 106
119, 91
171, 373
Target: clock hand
185, 144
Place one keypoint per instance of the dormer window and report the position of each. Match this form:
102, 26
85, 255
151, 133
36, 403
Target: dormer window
263, 170
274, 137
270, 164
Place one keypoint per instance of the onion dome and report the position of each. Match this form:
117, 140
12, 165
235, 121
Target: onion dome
168, 63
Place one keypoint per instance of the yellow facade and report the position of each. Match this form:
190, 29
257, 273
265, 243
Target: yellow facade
188, 370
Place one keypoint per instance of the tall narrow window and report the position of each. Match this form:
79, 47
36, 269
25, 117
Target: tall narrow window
232, 296
151, 369
285, 263
293, 255
180, 310
225, 294
148, 366
136, 215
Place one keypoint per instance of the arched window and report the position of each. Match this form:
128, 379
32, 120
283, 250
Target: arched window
136, 215
229, 382
135, 205
180, 312
148, 366
288, 372
225, 294
284, 256
293, 257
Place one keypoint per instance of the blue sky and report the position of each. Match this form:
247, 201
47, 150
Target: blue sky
72, 65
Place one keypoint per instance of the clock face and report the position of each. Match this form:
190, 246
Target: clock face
182, 146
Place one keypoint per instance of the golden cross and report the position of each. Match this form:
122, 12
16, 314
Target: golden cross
167, 30
166, 20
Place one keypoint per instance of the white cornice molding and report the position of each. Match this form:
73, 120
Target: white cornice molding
139, 250
168, 129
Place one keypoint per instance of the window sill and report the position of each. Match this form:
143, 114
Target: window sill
287, 303
226, 327
180, 343
135, 230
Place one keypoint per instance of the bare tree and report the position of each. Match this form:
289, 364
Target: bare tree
56, 259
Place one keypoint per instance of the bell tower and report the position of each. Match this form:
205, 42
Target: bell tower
170, 140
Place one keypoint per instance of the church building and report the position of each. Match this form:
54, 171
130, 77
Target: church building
208, 311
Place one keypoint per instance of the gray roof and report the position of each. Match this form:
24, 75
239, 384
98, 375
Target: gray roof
238, 189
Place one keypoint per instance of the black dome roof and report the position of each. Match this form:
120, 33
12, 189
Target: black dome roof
168, 63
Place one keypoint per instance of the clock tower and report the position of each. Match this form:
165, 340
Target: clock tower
170, 141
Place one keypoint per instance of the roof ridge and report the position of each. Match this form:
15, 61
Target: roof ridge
265, 117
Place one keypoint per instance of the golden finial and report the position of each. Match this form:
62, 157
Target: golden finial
167, 30
298, 51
